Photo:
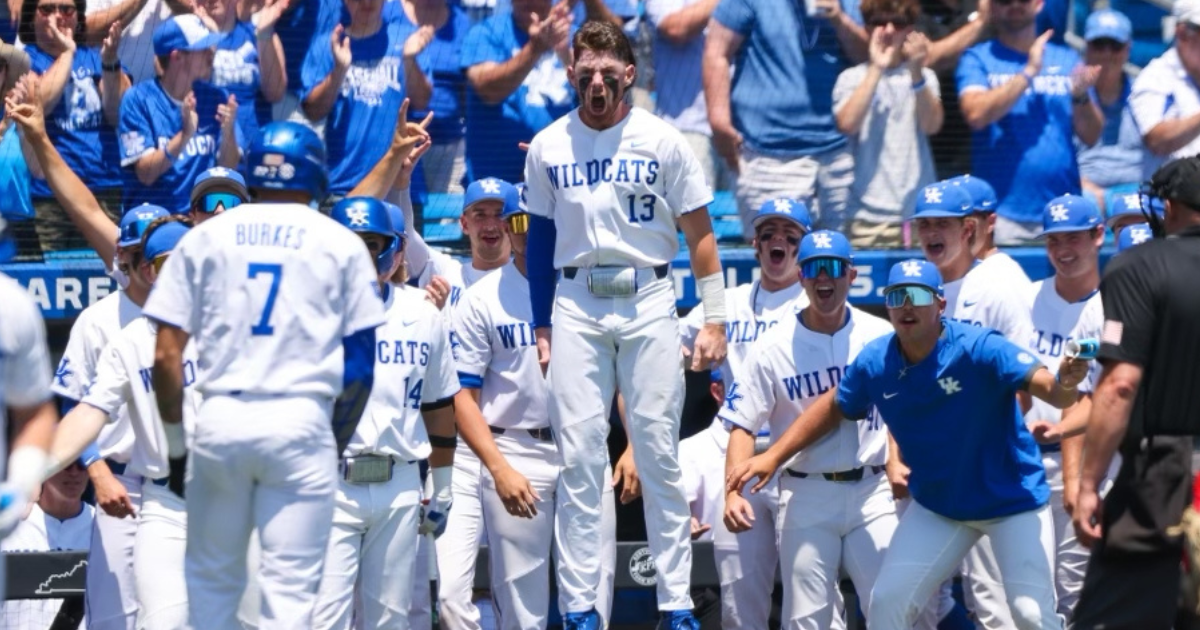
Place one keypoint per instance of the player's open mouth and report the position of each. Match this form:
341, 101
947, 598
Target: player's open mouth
597, 103
908, 320
934, 249
824, 292
777, 255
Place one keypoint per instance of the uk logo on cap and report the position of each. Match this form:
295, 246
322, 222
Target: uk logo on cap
1058, 213
912, 268
933, 195
1070, 213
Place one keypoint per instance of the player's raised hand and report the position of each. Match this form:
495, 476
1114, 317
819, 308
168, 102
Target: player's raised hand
625, 475
339, 44
188, 117
227, 114
409, 134
25, 108
761, 467
417, 42
897, 475
699, 529
739, 514
112, 497
1088, 517
709, 349
111, 43
437, 291
517, 494
543, 345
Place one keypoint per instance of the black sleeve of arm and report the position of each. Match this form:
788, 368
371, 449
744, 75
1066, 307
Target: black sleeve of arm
1129, 295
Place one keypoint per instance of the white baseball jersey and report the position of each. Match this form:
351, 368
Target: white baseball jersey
268, 293
750, 311
1006, 266
1055, 322
413, 366
460, 276
24, 360
789, 368
702, 463
124, 383
614, 194
90, 333
990, 295
495, 345
41, 532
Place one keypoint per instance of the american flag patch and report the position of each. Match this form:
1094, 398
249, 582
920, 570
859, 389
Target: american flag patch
1111, 334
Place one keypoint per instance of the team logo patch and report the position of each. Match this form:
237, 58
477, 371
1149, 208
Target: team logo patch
642, 569
1025, 358
783, 205
490, 186
822, 241
933, 195
357, 216
912, 268
286, 171
1058, 213
950, 385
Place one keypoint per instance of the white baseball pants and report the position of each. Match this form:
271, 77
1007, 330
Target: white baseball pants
825, 526
458, 547
598, 344
159, 558
372, 548
927, 548
111, 598
420, 610
270, 463
746, 562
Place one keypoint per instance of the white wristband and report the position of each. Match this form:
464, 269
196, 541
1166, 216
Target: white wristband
26, 466
176, 439
712, 295
441, 476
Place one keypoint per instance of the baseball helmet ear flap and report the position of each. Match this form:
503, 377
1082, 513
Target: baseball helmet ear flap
368, 215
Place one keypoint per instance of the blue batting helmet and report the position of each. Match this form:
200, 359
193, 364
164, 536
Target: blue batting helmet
368, 215
397, 216
288, 156
135, 221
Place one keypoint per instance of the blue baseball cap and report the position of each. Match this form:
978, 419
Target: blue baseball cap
1131, 204
220, 178
1070, 213
163, 239
915, 272
983, 196
942, 199
397, 217
1135, 234
135, 221
716, 376
784, 208
1108, 24
183, 32
488, 188
825, 244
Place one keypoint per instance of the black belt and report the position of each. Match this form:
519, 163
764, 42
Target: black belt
162, 483
855, 474
660, 271
544, 435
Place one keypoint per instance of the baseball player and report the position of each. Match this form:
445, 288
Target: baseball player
504, 419
746, 560
409, 417
1066, 307
284, 319
983, 213
122, 391
608, 188
979, 294
1130, 209
703, 483
835, 505
25, 397
216, 190
1137, 234
968, 478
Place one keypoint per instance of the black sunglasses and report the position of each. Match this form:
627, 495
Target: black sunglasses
898, 21
62, 9
1106, 44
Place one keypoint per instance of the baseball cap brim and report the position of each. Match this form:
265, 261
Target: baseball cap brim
220, 184
939, 214
935, 290
757, 221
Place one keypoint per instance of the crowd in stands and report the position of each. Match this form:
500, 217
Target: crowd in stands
851, 106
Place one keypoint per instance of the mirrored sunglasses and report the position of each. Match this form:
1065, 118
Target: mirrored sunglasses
158, 263
917, 296
212, 202
833, 267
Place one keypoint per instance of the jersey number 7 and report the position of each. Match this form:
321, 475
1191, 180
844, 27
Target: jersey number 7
263, 327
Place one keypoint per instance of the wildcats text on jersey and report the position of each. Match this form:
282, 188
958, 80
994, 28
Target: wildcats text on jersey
402, 352
620, 170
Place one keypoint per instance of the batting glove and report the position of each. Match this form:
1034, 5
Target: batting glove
434, 515
13, 502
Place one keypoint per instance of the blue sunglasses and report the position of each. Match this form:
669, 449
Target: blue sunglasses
833, 267
212, 202
915, 295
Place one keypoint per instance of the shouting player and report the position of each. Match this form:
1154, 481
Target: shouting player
409, 417
968, 478
284, 321
835, 504
122, 388
746, 560
609, 187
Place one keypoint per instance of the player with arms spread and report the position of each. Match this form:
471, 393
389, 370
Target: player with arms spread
281, 302
968, 479
608, 188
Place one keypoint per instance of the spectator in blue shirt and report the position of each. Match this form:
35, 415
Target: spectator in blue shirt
516, 65
175, 127
1026, 100
968, 479
1115, 161
439, 43
356, 80
81, 89
772, 120
298, 29
16, 206
248, 62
